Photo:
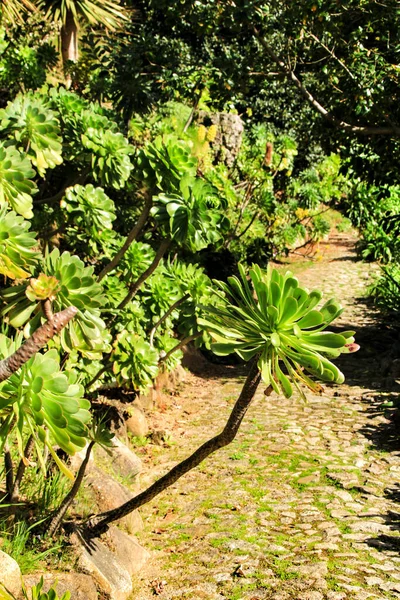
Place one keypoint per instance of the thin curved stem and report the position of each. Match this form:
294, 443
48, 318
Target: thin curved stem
9, 472
180, 345
66, 503
166, 315
99, 374
22, 466
132, 235
134, 287
99, 524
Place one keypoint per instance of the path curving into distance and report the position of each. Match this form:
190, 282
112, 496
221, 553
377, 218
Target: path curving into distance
305, 504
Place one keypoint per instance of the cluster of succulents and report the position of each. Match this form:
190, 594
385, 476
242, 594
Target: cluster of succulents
75, 286
135, 362
46, 401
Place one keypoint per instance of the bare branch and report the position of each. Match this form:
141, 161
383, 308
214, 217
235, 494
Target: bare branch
132, 235
331, 52
99, 524
39, 338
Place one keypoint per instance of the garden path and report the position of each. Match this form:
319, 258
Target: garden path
304, 504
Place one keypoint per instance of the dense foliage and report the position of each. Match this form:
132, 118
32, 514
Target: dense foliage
179, 144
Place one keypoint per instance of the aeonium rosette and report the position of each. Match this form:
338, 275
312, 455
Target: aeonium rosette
278, 321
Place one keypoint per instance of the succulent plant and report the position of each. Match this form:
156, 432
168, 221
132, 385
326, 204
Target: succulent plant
17, 245
110, 156
35, 129
90, 209
77, 287
190, 278
159, 294
115, 290
45, 287
133, 318
49, 403
278, 321
68, 104
135, 363
16, 186
163, 344
165, 162
136, 259
192, 218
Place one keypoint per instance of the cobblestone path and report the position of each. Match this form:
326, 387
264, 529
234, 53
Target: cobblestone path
305, 503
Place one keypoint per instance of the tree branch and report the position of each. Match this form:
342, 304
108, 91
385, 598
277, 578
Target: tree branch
99, 524
239, 235
132, 235
99, 373
22, 466
166, 315
181, 344
331, 52
59, 195
66, 503
39, 338
357, 129
9, 471
134, 287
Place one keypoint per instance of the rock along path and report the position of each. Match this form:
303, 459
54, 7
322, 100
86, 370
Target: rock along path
304, 503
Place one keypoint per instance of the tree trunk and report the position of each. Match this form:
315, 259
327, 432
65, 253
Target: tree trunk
39, 338
69, 43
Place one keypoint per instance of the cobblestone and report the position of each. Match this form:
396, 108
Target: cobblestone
305, 502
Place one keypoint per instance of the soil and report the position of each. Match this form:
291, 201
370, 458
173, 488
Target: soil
304, 504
